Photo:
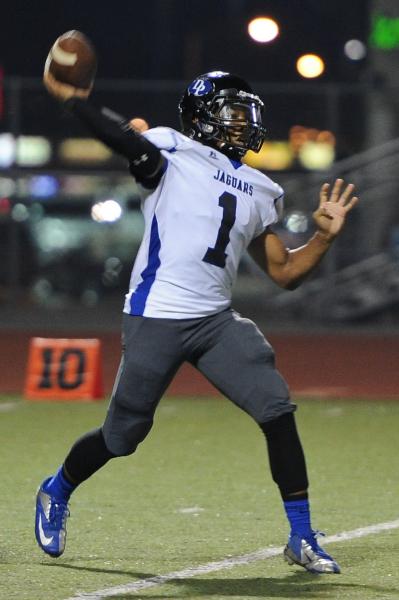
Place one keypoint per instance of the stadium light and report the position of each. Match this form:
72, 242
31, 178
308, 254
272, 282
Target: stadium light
263, 29
310, 66
355, 49
108, 211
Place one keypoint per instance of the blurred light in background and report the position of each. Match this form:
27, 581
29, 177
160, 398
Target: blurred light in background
297, 222
355, 50
112, 270
384, 33
274, 156
108, 211
7, 150
299, 134
314, 149
32, 151
55, 235
263, 29
42, 290
24, 151
19, 212
80, 185
5, 206
89, 297
316, 155
7, 186
83, 150
44, 186
36, 211
310, 66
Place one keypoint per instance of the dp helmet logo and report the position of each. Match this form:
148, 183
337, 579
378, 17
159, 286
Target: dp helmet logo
200, 87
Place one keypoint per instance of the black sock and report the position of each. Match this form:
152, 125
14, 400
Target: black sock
287, 461
88, 454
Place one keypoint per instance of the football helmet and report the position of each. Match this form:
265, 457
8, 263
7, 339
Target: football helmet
221, 110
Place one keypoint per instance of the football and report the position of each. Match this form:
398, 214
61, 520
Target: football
72, 60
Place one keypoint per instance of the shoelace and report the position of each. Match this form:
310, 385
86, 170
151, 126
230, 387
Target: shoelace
59, 512
317, 534
312, 540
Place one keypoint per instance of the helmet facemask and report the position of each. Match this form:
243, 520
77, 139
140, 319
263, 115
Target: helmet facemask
234, 120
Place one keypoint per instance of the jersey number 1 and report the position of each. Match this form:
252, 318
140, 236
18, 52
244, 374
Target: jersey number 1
217, 255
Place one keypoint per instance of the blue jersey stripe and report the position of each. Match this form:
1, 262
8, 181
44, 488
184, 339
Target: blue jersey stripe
236, 163
139, 297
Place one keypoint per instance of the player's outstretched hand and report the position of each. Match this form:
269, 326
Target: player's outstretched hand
62, 91
333, 207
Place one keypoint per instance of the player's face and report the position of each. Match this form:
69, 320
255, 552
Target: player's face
236, 118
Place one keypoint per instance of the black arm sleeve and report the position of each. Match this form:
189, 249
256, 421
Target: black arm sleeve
146, 162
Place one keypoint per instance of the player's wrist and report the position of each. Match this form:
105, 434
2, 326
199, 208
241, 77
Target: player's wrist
324, 237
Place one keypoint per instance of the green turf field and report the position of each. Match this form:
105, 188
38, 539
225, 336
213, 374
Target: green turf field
199, 490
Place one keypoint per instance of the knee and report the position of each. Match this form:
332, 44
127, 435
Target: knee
125, 441
134, 437
279, 424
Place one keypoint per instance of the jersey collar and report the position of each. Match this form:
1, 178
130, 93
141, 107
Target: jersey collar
236, 163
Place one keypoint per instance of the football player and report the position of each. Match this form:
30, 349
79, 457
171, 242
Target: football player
202, 208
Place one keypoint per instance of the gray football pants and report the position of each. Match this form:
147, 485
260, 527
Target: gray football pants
229, 350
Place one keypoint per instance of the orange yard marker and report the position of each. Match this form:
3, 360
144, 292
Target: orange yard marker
64, 369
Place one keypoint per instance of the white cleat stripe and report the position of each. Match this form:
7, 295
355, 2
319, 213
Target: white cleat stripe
45, 541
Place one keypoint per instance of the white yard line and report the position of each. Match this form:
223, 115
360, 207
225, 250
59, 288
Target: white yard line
227, 563
8, 406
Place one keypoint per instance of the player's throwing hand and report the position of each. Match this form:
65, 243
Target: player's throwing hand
62, 91
333, 208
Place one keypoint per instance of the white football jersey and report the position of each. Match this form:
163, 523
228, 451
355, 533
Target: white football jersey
199, 220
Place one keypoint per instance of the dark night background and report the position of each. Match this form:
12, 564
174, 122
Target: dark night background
174, 39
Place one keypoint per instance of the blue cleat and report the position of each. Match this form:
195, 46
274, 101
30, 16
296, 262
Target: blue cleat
50, 523
307, 553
